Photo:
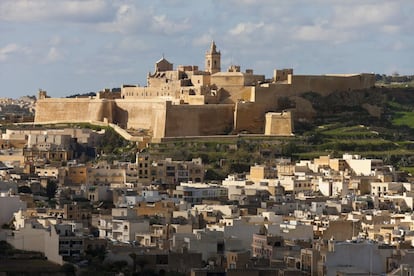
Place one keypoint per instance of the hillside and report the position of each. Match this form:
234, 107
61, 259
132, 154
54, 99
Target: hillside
376, 123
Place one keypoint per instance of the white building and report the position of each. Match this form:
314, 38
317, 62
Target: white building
365, 257
9, 204
329, 187
197, 192
386, 188
125, 230
56, 242
361, 166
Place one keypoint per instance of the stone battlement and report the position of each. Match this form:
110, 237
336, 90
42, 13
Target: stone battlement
190, 102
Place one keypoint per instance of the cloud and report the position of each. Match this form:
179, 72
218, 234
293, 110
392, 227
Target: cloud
362, 15
12, 49
128, 18
55, 40
7, 50
62, 10
204, 39
131, 44
246, 28
54, 55
133, 19
322, 32
340, 22
398, 46
165, 25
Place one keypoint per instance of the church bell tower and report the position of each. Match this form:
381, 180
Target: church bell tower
212, 59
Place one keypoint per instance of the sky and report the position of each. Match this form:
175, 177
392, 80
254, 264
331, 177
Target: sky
77, 46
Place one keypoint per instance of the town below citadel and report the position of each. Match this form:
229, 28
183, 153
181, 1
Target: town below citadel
205, 172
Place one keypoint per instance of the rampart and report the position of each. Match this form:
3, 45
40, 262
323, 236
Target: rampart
326, 84
189, 102
249, 117
142, 114
74, 109
279, 123
199, 120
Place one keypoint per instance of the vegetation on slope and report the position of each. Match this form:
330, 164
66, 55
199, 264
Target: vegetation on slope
375, 123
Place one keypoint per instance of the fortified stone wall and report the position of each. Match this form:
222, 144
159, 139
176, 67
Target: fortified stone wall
145, 114
73, 109
144, 92
279, 123
167, 120
233, 94
199, 120
251, 79
249, 117
329, 83
226, 79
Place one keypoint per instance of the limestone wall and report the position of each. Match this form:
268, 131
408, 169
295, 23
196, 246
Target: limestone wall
144, 92
73, 109
249, 117
165, 119
224, 79
279, 123
197, 120
326, 84
232, 94
251, 79
145, 114
12, 158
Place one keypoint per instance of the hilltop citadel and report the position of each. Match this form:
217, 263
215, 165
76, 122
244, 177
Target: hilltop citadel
187, 101
84, 199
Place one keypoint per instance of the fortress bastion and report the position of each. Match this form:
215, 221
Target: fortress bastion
187, 101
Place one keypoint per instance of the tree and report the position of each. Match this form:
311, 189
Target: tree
212, 174
51, 189
24, 190
134, 262
142, 262
68, 269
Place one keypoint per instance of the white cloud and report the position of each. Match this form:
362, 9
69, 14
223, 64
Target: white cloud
391, 29
62, 10
246, 28
12, 49
362, 15
55, 40
7, 50
342, 22
398, 46
131, 43
133, 19
54, 55
128, 19
204, 39
163, 24
322, 33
